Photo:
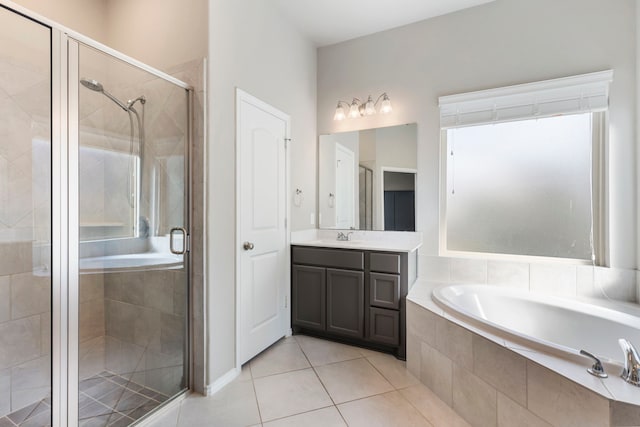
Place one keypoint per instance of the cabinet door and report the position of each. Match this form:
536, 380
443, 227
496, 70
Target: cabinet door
384, 326
309, 296
345, 302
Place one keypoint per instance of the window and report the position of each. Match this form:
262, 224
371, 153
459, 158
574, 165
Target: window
517, 182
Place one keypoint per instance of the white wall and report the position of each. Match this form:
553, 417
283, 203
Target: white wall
501, 43
253, 48
161, 33
83, 16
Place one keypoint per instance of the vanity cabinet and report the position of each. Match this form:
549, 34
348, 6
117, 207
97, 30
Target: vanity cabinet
353, 296
327, 290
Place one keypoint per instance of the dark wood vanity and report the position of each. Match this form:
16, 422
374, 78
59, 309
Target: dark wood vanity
352, 295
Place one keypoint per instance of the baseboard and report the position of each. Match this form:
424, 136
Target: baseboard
218, 384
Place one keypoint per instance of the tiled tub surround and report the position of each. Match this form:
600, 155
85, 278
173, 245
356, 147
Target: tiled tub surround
493, 381
549, 278
25, 329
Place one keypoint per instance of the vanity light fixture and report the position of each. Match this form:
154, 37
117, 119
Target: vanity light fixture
357, 108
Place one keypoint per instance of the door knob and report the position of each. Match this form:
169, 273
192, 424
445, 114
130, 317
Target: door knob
247, 246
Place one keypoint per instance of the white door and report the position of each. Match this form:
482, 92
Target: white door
262, 231
345, 187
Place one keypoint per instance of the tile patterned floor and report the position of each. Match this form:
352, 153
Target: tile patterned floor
112, 400
304, 381
104, 400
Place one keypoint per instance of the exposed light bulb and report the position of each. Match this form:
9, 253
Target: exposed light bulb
354, 111
385, 107
369, 107
358, 108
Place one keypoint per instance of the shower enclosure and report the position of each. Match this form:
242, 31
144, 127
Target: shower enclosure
94, 248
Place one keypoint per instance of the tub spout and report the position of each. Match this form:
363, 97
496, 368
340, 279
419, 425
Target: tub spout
631, 371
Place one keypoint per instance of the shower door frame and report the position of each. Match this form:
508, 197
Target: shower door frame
65, 243
73, 43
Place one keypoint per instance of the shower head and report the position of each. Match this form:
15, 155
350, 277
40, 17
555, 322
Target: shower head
92, 84
96, 86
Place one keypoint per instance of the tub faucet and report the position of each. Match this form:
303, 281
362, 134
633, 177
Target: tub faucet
631, 371
596, 370
342, 237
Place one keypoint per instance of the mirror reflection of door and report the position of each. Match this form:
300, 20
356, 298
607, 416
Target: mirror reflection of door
399, 201
360, 191
365, 196
345, 187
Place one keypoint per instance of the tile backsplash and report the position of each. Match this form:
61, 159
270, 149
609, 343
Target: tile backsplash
551, 278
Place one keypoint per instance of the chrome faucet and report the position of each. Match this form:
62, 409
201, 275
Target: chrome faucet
631, 371
342, 237
597, 370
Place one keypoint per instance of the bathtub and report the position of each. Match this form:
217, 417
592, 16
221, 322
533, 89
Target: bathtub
128, 262
560, 326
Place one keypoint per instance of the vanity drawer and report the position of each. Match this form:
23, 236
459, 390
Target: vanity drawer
384, 290
328, 257
385, 263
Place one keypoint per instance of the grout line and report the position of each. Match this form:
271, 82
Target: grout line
322, 384
299, 413
416, 408
255, 395
334, 404
113, 408
317, 376
280, 373
381, 374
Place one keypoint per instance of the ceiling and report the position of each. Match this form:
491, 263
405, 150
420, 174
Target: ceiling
328, 22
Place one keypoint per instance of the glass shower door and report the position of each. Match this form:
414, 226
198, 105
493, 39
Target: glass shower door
133, 130
25, 221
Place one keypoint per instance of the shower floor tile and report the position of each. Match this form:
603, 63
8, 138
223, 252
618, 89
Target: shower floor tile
108, 399
5, 422
32, 414
105, 400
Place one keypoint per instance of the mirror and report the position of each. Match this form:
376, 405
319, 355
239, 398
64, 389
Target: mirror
367, 179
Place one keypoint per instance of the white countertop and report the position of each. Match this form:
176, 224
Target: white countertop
394, 241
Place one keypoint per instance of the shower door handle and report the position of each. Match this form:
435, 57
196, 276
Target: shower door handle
184, 240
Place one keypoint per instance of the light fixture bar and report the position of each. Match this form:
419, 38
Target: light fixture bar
357, 108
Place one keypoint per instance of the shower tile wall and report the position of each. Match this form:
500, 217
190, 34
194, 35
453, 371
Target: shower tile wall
144, 314
25, 204
25, 328
104, 167
92, 329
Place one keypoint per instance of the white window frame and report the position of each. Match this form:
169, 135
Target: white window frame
489, 104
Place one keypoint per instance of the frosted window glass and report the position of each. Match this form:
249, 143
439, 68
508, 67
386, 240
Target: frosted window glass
521, 188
